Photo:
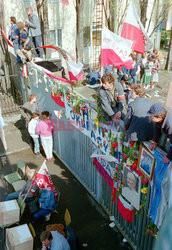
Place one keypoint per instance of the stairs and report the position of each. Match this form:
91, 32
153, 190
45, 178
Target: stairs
8, 105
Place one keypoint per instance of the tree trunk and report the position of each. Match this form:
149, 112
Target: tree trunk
5, 60
143, 11
170, 47
111, 20
79, 30
45, 34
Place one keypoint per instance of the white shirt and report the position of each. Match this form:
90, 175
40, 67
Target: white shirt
59, 242
32, 128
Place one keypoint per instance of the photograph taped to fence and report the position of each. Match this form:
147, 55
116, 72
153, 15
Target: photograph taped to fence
146, 162
131, 189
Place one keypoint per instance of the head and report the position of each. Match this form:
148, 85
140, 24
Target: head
35, 116
20, 25
29, 10
45, 115
24, 37
144, 55
157, 113
46, 238
137, 91
31, 174
107, 81
32, 98
149, 59
134, 58
12, 20
131, 180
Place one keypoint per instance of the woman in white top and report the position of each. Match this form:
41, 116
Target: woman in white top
32, 131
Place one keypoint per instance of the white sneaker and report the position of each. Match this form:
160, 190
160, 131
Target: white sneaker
47, 217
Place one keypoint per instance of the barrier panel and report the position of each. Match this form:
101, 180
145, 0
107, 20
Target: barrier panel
77, 136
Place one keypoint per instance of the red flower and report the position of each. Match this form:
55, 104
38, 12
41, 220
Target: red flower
114, 144
139, 173
60, 94
131, 144
145, 180
116, 169
125, 157
147, 231
134, 165
151, 233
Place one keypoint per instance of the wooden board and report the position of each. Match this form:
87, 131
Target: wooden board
9, 212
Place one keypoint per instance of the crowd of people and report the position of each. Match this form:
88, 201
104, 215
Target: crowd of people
26, 37
143, 120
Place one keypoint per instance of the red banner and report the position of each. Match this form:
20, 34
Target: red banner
58, 100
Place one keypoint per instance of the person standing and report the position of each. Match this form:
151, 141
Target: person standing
136, 121
32, 131
27, 111
134, 72
45, 128
155, 70
148, 72
14, 36
34, 30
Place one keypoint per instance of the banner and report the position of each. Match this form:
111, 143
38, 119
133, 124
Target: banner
105, 170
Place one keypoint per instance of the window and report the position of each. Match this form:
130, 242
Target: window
92, 37
56, 37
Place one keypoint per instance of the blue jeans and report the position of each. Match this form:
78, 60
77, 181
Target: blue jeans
37, 40
41, 212
47, 143
15, 195
133, 79
36, 145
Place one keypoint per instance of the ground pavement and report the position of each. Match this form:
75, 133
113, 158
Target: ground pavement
89, 223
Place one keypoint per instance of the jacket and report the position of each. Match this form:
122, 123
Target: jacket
47, 200
45, 128
108, 106
166, 128
14, 34
136, 122
34, 26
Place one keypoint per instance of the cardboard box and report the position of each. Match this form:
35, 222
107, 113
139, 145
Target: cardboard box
19, 238
9, 212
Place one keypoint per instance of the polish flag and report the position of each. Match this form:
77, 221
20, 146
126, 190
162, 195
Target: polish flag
125, 209
134, 30
7, 40
43, 180
74, 69
115, 50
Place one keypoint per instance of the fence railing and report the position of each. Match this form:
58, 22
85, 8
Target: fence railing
75, 149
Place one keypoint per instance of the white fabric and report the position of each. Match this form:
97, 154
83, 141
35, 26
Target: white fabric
125, 203
47, 143
59, 242
155, 77
32, 128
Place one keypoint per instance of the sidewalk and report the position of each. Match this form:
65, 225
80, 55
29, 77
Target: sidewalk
89, 223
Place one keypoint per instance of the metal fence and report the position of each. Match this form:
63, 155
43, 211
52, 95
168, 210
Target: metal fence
74, 150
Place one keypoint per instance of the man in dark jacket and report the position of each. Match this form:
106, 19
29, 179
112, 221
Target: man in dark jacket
112, 97
163, 123
34, 30
136, 121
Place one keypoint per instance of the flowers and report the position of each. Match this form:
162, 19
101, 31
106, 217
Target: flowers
144, 190
114, 144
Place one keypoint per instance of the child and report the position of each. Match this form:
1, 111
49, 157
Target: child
45, 128
155, 70
32, 131
134, 72
147, 73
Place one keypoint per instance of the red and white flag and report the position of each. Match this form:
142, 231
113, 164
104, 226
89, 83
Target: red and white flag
115, 50
134, 30
7, 40
74, 69
43, 180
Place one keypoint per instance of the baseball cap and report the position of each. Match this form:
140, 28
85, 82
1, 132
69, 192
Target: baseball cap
155, 109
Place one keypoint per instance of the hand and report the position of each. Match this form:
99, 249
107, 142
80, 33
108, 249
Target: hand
152, 146
27, 21
117, 115
40, 205
165, 159
20, 194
